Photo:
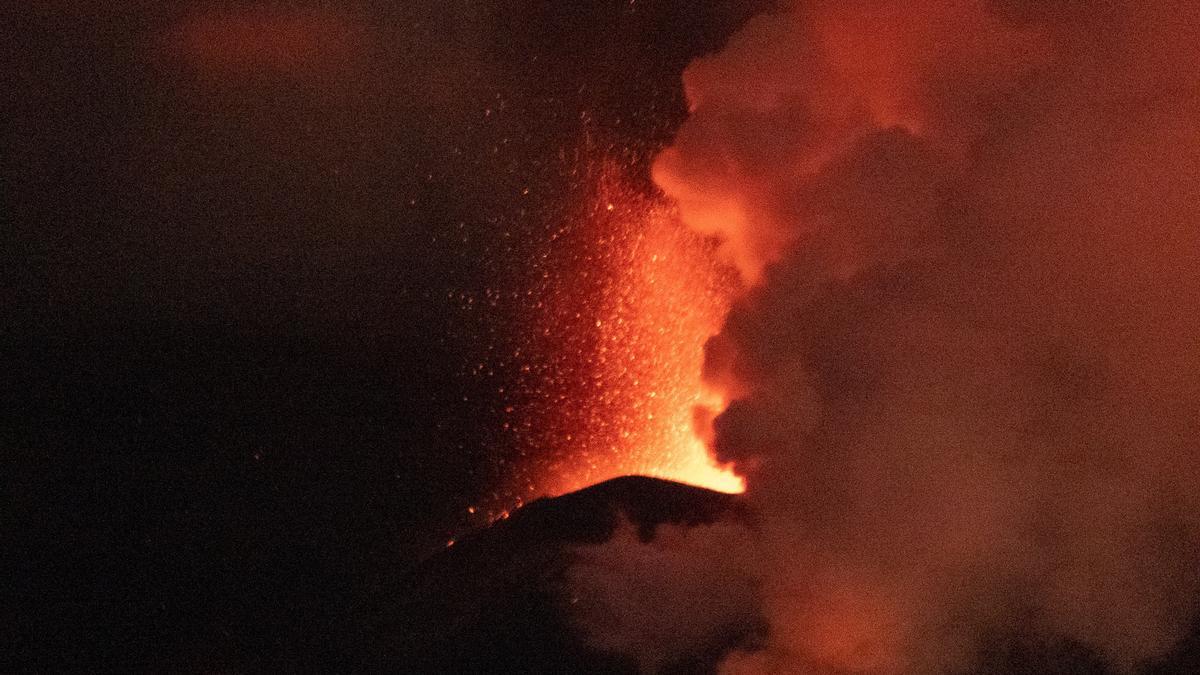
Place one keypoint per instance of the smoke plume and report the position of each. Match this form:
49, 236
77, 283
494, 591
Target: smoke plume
640, 598
965, 374
256, 38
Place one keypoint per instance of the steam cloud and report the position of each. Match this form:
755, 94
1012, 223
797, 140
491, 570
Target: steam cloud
965, 373
640, 599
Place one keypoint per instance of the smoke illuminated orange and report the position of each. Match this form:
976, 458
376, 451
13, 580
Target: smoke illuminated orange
261, 38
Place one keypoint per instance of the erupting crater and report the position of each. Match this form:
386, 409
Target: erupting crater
630, 296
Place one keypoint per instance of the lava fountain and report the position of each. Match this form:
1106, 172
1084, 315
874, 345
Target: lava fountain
629, 296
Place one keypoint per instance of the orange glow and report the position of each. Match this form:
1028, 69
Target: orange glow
664, 300
264, 38
850, 633
613, 384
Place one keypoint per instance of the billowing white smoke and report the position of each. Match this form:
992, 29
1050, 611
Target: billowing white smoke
968, 369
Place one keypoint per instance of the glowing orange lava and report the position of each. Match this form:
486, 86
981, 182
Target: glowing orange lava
636, 313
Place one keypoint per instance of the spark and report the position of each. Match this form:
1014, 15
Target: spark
624, 322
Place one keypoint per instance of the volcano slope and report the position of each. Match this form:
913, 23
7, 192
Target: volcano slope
589, 582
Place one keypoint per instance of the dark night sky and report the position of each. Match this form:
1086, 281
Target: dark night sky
243, 280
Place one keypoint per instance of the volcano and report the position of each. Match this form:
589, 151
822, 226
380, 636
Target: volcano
501, 599
497, 599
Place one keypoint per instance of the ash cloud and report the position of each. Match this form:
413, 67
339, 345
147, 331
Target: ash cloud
965, 370
637, 596
265, 37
